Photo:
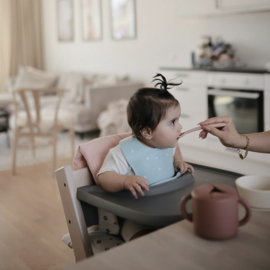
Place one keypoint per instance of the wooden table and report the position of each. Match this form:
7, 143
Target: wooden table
177, 247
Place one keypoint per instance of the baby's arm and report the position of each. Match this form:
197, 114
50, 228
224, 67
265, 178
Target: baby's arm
113, 182
179, 164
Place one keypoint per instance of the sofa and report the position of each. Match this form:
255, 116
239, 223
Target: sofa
87, 94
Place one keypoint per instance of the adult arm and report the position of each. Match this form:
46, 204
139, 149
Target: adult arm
228, 136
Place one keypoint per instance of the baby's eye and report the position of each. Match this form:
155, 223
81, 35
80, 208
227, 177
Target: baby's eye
172, 123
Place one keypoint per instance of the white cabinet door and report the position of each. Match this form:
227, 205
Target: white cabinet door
192, 96
204, 8
187, 77
236, 80
193, 102
267, 102
267, 112
242, 4
186, 8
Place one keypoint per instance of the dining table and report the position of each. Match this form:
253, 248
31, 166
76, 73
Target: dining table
177, 247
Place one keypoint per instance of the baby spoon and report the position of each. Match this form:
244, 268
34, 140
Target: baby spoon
218, 125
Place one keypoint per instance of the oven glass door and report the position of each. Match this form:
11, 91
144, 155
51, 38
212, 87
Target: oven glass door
245, 108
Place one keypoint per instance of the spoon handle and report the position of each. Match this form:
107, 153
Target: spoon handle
217, 125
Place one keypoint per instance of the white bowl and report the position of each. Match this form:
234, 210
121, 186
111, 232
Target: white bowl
255, 189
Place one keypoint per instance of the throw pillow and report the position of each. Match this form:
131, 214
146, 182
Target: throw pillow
104, 80
74, 83
29, 77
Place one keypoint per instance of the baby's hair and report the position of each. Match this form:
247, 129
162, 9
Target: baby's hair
148, 106
163, 82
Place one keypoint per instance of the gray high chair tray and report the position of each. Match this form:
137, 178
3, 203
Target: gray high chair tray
160, 206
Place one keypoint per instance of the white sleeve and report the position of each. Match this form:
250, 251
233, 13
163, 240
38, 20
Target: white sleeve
116, 161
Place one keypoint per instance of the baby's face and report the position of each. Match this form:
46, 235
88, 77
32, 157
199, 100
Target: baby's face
168, 130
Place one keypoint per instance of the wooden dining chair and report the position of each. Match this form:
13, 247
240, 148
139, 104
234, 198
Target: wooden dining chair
33, 121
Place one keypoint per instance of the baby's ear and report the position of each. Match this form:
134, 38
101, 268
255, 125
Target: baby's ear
146, 133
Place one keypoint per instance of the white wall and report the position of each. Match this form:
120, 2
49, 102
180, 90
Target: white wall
160, 34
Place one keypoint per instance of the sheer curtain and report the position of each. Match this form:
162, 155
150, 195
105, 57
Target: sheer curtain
20, 37
5, 46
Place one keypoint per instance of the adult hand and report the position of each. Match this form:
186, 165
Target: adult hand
227, 135
135, 182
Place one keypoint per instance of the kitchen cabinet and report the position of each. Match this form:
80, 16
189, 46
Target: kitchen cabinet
236, 80
242, 5
192, 96
267, 103
194, 8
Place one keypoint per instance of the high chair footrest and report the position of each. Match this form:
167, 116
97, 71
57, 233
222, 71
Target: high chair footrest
100, 241
103, 241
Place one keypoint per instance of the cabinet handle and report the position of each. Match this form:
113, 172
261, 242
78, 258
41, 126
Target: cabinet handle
184, 115
223, 80
181, 89
183, 75
216, 92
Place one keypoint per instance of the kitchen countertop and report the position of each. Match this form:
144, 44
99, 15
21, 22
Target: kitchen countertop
212, 69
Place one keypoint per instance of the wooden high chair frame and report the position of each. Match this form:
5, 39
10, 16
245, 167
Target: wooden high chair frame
32, 128
68, 183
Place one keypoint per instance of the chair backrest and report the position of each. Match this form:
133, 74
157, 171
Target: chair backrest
33, 120
88, 160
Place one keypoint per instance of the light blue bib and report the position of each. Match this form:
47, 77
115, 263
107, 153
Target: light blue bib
154, 164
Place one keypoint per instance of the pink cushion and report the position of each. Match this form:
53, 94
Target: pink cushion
93, 153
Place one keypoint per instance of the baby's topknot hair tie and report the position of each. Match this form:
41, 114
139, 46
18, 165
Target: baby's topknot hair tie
162, 82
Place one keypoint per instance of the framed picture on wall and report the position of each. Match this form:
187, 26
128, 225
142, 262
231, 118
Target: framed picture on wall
123, 19
65, 20
91, 20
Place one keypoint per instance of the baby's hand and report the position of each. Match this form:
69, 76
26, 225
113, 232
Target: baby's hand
135, 182
183, 167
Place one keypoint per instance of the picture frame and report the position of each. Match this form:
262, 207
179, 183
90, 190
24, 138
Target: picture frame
123, 19
65, 20
91, 20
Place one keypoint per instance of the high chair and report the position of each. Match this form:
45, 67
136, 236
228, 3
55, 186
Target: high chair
82, 214
86, 163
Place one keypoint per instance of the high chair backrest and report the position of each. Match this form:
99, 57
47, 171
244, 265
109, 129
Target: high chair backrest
86, 163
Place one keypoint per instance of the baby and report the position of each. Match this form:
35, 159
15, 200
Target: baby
150, 156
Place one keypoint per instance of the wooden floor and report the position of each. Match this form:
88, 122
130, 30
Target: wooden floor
32, 220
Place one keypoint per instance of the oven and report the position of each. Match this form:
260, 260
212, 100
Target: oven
244, 106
